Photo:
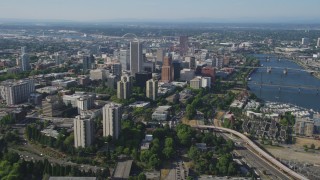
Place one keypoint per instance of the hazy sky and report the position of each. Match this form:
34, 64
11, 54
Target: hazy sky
86, 10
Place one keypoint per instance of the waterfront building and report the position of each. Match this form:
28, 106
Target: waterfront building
112, 114
83, 131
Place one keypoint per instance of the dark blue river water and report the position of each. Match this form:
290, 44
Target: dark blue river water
297, 94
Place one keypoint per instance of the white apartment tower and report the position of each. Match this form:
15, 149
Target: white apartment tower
124, 88
112, 114
152, 89
83, 131
15, 92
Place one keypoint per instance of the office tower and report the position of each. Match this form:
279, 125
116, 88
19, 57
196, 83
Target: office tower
86, 63
152, 89
111, 122
99, 74
176, 70
318, 42
83, 131
305, 41
15, 92
136, 57
124, 88
125, 59
160, 55
142, 78
192, 62
116, 69
167, 70
209, 72
183, 45
24, 64
57, 58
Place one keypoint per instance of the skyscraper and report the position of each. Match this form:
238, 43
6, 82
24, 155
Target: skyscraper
136, 57
183, 45
83, 131
124, 87
24, 64
167, 70
160, 55
112, 114
152, 89
176, 69
86, 63
116, 69
305, 41
318, 42
125, 59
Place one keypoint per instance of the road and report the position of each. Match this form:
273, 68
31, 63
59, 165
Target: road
257, 150
264, 169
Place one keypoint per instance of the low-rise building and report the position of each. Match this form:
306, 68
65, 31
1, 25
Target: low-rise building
162, 113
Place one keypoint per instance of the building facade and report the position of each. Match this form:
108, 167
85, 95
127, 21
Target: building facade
124, 88
136, 57
24, 64
125, 59
152, 89
83, 131
15, 92
167, 70
112, 114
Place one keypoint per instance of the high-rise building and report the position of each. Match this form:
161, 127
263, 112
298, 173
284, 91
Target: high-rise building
124, 87
152, 89
112, 114
176, 70
116, 69
209, 72
86, 63
136, 57
85, 102
57, 58
318, 42
83, 131
160, 55
142, 78
167, 70
192, 62
24, 64
15, 92
183, 45
125, 59
305, 41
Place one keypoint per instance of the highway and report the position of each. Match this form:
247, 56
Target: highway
258, 150
261, 167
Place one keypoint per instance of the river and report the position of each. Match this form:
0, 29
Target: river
276, 83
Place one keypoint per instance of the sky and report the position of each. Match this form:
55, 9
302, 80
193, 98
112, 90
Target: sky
108, 10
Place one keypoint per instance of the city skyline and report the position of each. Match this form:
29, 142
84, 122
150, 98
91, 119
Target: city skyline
144, 10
